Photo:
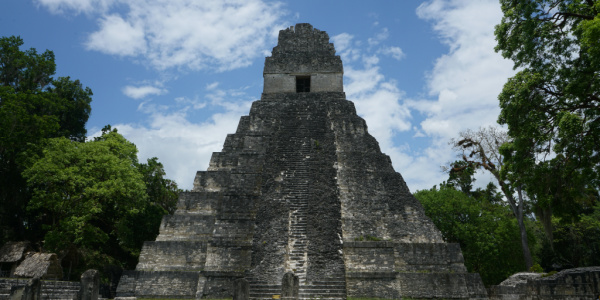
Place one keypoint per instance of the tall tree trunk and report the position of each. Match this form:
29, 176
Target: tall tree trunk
517, 209
545, 216
524, 242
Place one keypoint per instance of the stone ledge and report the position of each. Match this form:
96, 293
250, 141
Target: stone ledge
299, 96
369, 244
373, 275
224, 243
223, 273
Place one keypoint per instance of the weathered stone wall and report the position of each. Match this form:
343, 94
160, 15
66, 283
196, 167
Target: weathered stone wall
429, 257
158, 284
571, 284
375, 199
303, 50
186, 227
172, 255
297, 170
369, 257
419, 270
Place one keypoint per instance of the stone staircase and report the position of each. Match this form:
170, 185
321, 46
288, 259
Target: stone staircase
59, 290
262, 290
298, 203
326, 289
51, 290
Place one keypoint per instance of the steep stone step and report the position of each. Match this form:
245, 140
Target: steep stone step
51, 290
262, 290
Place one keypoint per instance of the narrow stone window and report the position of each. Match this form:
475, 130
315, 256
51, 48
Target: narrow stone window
302, 84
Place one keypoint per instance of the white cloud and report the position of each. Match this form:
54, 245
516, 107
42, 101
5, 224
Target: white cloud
377, 99
212, 86
346, 48
467, 80
394, 52
378, 38
342, 42
76, 6
118, 37
462, 88
464, 83
183, 146
142, 91
214, 34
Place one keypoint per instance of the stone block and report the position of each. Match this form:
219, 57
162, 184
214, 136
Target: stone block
158, 284
173, 256
369, 256
290, 286
89, 285
203, 202
186, 227
432, 257
241, 289
219, 181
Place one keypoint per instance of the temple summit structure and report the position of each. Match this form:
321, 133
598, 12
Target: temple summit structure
300, 188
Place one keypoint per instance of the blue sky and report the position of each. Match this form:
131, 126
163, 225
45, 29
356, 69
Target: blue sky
174, 76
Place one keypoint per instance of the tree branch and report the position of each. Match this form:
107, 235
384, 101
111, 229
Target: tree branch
568, 14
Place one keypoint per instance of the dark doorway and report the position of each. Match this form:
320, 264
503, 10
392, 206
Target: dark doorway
302, 84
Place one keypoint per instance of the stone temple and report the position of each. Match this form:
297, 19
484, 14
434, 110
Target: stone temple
301, 187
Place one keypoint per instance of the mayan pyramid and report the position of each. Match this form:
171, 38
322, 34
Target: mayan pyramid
301, 187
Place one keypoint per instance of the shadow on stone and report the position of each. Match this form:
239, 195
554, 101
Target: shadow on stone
31, 291
290, 286
241, 289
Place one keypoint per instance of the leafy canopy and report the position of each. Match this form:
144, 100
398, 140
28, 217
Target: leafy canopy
95, 201
487, 232
34, 106
551, 106
83, 190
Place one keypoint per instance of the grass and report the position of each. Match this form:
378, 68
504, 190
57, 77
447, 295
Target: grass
180, 299
403, 298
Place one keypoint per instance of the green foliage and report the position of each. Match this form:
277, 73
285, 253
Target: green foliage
82, 191
92, 203
575, 244
75, 107
24, 70
367, 238
461, 176
536, 268
549, 274
486, 231
482, 149
33, 107
162, 199
96, 200
551, 106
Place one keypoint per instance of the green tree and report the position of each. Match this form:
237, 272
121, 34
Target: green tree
162, 199
82, 192
487, 233
483, 149
33, 107
576, 243
551, 106
461, 176
162, 191
95, 203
